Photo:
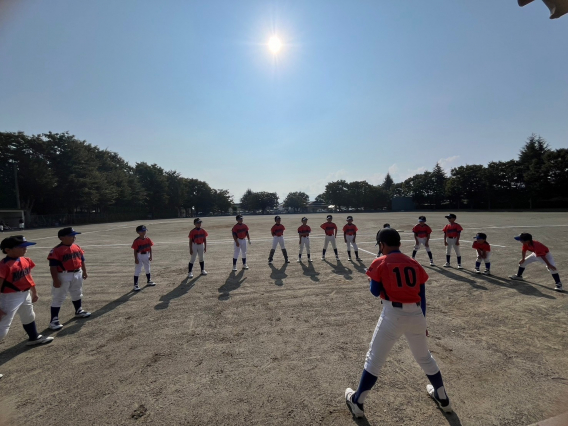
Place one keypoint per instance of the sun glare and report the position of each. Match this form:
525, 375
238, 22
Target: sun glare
274, 44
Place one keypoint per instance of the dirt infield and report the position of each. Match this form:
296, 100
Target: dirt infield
279, 344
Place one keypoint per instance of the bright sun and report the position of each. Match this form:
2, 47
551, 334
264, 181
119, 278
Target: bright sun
274, 44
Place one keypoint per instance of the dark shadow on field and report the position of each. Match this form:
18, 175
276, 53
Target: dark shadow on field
233, 282
278, 275
309, 271
18, 349
186, 285
452, 418
522, 287
339, 269
448, 273
360, 267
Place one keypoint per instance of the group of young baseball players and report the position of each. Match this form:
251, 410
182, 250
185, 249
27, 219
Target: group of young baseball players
399, 281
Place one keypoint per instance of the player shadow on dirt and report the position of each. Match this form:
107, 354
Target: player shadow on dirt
309, 271
340, 269
522, 287
278, 275
233, 282
453, 276
16, 350
186, 285
360, 267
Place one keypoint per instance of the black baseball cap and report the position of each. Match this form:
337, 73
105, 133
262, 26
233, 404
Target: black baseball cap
197, 220
349, 217
68, 232
304, 218
524, 237
239, 216
422, 219
389, 236
451, 216
480, 235
15, 241
276, 218
329, 216
141, 228
386, 225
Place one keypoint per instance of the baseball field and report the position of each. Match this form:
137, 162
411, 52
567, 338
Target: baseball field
278, 344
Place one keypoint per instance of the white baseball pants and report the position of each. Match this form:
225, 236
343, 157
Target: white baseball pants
242, 248
330, 239
15, 303
534, 258
487, 258
278, 240
393, 323
349, 240
72, 283
197, 250
143, 259
452, 244
305, 242
422, 242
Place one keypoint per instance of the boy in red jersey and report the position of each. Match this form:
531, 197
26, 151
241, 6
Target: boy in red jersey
483, 253
197, 246
18, 290
142, 256
422, 237
330, 230
240, 235
349, 236
540, 253
304, 234
68, 270
452, 232
399, 281
277, 232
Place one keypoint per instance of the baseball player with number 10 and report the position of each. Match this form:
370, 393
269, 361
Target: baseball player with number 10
400, 283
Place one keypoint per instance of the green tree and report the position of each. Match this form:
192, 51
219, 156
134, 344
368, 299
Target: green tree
248, 200
155, 184
266, 200
337, 193
223, 201
298, 201
387, 183
467, 182
437, 190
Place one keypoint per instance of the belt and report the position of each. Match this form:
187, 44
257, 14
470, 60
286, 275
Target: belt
72, 272
197, 243
399, 305
144, 252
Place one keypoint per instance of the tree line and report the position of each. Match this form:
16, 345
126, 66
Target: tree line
57, 173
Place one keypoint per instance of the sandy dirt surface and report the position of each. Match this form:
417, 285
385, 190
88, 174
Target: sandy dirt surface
278, 344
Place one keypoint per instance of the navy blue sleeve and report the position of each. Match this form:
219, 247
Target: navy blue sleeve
423, 298
54, 262
82, 258
376, 288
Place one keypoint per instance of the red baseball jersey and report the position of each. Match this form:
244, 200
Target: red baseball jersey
277, 230
452, 230
198, 235
350, 229
400, 276
142, 245
537, 248
304, 229
329, 228
484, 246
16, 274
240, 230
66, 258
422, 230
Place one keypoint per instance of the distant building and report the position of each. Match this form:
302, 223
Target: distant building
317, 207
403, 203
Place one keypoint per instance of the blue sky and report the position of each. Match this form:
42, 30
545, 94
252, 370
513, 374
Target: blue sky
360, 87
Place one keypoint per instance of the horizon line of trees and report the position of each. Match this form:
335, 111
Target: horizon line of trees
57, 173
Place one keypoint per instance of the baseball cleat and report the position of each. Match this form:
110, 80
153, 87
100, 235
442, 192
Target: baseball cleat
444, 404
81, 313
431, 263
487, 272
234, 267
203, 272
358, 259
460, 267
270, 262
336, 257
477, 271
136, 288
323, 258
190, 275
299, 260
353, 407
245, 266
349, 259
55, 324
516, 277
287, 260
310, 259
447, 265
41, 340
558, 287
151, 283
